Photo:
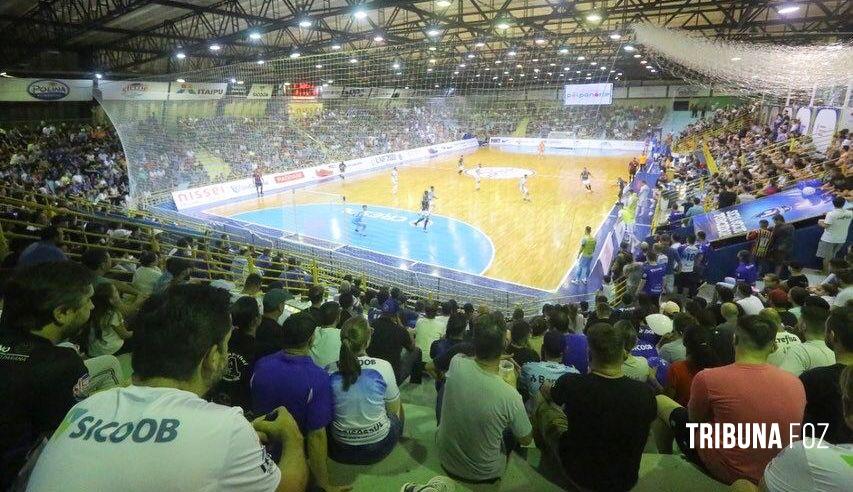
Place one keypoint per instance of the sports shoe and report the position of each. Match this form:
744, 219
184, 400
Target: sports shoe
436, 484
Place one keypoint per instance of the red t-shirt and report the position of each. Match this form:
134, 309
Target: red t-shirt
680, 378
746, 393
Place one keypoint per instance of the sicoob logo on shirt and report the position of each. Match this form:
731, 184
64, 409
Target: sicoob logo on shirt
145, 430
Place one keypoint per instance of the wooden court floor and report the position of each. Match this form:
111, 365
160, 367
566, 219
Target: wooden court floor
535, 242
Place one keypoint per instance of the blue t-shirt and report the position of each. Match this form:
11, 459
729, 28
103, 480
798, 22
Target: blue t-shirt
746, 272
575, 353
644, 349
296, 383
40, 252
653, 275
645, 335
705, 251
358, 217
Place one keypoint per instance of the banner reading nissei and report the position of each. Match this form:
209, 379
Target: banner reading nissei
587, 94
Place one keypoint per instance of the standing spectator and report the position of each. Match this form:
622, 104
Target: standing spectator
605, 418
368, 415
180, 353
781, 244
233, 389
326, 347
653, 277
748, 391
813, 352
43, 305
761, 239
270, 338
821, 383
481, 415
290, 379
390, 338
45, 249
836, 227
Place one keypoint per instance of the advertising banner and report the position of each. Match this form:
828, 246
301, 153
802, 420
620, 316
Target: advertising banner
620, 93
133, 90
647, 91
331, 92
355, 92
45, 90
260, 91
689, 91
824, 127
196, 91
570, 143
805, 201
587, 94
804, 114
204, 195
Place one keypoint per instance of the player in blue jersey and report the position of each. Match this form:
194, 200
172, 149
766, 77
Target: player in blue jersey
686, 280
535, 374
653, 274
358, 221
746, 270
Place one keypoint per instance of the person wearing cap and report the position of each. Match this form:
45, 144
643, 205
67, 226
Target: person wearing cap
549, 369
389, 340
813, 352
836, 228
268, 335
778, 300
286, 378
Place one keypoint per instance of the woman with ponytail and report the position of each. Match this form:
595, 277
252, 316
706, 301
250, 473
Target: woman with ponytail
368, 418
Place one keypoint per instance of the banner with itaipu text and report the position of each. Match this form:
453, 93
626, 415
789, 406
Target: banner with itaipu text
45, 90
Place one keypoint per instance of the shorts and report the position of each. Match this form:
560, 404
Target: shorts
678, 420
828, 251
586, 182
685, 280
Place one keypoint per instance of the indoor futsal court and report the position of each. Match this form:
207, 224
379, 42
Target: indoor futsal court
492, 232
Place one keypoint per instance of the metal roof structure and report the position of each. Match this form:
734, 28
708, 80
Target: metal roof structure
122, 38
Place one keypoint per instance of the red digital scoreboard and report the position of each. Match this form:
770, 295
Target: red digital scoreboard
303, 89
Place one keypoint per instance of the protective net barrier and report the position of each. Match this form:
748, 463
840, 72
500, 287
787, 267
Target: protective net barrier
190, 129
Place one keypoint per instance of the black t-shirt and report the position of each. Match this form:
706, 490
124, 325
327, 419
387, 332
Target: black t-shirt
269, 338
608, 425
788, 318
798, 281
522, 355
39, 383
233, 389
442, 360
823, 402
388, 341
726, 199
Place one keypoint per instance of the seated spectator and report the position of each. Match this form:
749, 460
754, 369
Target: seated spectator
105, 333
290, 379
605, 418
47, 248
535, 374
316, 295
251, 288
178, 271
269, 338
797, 278
778, 300
428, 330
845, 288
519, 347
147, 273
747, 300
326, 347
671, 348
575, 353
748, 391
538, 327
702, 353
634, 366
98, 261
784, 339
43, 305
797, 296
814, 467
813, 352
482, 415
389, 340
730, 314
368, 415
821, 383
180, 352
233, 389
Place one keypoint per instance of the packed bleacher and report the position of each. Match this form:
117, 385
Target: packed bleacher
153, 359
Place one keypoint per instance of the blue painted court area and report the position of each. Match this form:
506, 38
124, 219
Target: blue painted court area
448, 243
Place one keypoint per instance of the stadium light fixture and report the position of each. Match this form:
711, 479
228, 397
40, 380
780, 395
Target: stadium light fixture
214, 47
615, 36
628, 48
638, 55
479, 44
295, 54
378, 38
336, 46
318, 66
539, 40
353, 60
180, 81
563, 51
98, 76
502, 25
581, 58
181, 55
395, 65
593, 17
433, 32
442, 3
260, 62
736, 58
511, 53
359, 14
232, 80
788, 9
306, 22
254, 36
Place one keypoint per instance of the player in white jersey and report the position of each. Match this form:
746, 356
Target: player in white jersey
477, 171
522, 186
394, 180
585, 179
432, 198
461, 165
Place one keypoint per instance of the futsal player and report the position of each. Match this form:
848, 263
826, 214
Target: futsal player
432, 198
461, 165
342, 167
522, 186
358, 221
425, 212
477, 171
585, 175
541, 148
620, 183
394, 180
259, 181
